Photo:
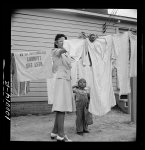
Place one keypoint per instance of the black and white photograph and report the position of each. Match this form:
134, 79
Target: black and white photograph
73, 75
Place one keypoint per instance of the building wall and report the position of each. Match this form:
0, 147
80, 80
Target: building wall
34, 30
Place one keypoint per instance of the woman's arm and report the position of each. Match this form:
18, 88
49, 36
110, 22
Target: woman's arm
58, 51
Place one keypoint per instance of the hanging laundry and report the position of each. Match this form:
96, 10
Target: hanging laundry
24, 87
79, 71
33, 65
18, 88
133, 58
102, 96
121, 44
92, 62
80, 63
75, 47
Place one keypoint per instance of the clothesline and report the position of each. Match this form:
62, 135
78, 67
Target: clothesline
133, 30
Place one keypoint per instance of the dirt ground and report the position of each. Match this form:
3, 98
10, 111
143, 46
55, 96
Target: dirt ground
114, 126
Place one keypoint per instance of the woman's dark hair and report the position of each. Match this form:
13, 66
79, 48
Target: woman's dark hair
58, 36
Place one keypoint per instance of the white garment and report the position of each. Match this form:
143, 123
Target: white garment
121, 43
133, 58
80, 62
33, 65
101, 94
75, 47
79, 71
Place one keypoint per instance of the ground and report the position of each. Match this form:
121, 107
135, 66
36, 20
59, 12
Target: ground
114, 126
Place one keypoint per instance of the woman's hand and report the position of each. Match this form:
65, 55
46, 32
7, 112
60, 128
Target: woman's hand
63, 50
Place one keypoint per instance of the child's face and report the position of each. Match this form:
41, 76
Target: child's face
82, 83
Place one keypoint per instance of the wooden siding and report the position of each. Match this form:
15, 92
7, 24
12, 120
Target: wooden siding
36, 29
33, 107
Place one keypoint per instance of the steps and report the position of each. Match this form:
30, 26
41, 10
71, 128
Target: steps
122, 102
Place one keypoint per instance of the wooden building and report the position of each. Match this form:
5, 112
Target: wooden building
35, 30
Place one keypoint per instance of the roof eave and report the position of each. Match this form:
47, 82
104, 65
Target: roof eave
128, 19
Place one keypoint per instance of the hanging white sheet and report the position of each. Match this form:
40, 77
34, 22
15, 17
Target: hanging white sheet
101, 93
133, 58
121, 43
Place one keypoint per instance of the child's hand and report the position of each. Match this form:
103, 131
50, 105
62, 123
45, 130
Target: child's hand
74, 89
74, 86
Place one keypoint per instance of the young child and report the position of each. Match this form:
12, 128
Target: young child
82, 98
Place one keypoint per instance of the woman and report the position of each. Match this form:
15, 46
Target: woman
63, 98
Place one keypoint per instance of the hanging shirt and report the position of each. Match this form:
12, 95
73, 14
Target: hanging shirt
33, 65
80, 62
133, 58
101, 94
75, 47
18, 88
121, 43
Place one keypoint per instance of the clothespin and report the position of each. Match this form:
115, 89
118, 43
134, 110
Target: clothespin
82, 35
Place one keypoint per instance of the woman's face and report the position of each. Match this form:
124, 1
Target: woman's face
59, 42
